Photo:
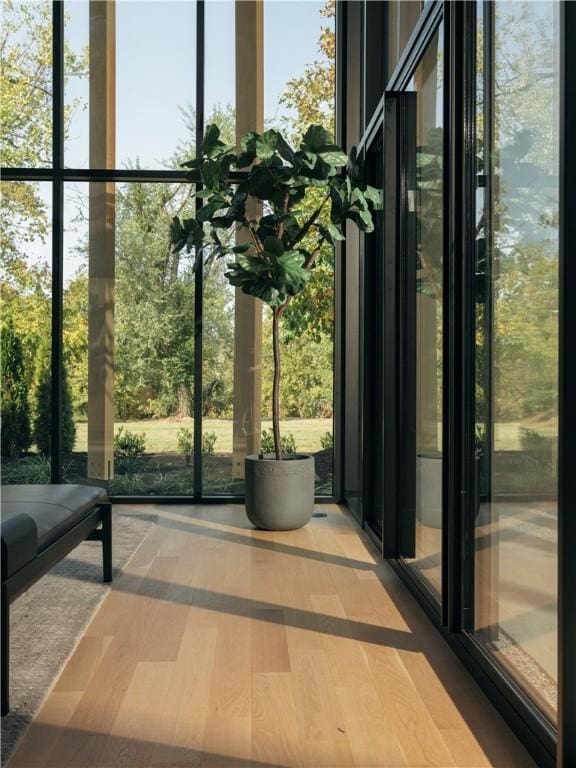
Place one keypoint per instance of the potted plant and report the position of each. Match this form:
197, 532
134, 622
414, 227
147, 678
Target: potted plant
272, 258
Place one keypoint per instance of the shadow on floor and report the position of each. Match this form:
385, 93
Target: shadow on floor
74, 747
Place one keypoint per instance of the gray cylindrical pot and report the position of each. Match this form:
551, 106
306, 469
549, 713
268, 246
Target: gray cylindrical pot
279, 494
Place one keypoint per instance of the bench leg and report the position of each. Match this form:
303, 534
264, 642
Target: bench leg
107, 542
5, 617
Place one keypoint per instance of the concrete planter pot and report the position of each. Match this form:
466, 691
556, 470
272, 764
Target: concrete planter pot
279, 494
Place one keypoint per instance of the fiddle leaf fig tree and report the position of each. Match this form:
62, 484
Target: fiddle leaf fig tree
272, 255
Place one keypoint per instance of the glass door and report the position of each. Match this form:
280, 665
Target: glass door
422, 236
517, 303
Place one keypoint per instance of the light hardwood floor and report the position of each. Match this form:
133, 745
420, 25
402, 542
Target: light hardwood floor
223, 646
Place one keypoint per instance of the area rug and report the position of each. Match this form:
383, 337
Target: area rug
49, 619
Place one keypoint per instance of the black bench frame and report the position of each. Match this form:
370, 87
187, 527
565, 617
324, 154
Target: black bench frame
95, 526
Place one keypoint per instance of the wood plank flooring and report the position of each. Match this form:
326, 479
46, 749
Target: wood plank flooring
222, 646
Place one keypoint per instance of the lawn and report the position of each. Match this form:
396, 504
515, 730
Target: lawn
161, 433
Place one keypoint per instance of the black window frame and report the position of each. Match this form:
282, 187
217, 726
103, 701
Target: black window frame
548, 744
58, 174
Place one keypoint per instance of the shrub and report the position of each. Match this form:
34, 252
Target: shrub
185, 442
42, 398
208, 442
267, 442
327, 441
16, 435
129, 445
539, 448
31, 470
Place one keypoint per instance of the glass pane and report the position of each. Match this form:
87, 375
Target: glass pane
26, 84
25, 236
303, 76
517, 343
218, 322
220, 65
134, 105
129, 337
427, 242
402, 18
300, 90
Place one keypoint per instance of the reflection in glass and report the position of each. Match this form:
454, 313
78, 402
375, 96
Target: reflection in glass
426, 223
517, 342
26, 284
402, 17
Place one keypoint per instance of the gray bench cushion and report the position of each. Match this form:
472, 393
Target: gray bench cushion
19, 543
54, 508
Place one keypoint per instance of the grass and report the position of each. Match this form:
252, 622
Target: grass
161, 433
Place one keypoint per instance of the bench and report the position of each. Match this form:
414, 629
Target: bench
41, 524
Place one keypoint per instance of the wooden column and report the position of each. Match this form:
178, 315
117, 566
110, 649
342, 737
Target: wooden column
248, 311
101, 234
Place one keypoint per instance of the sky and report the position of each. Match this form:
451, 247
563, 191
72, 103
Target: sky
155, 68
156, 76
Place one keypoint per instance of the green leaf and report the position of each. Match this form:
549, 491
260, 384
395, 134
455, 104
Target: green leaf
222, 222
307, 159
295, 276
375, 196
266, 144
358, 199
363, 220
206, 212
210, 140
335, 232
267, 184
210, 172
285, 150
333, 155
176, 232
242, 248
248, 141
315, 138
274, 246
245, 159
195, 163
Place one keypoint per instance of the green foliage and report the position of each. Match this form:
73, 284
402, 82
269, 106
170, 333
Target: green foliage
274, 262
327, 441
541, 449
208, 443
154, 316
16, 436
129, 445
42, 398
29, 470
267, 442
26, 118
307, 374
275, 253
185, 440
153, 482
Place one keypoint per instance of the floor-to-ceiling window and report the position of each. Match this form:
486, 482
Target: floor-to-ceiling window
468, 366
424, 225
164, 386
517, 302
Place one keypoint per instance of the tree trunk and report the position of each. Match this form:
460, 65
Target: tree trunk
276, 383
